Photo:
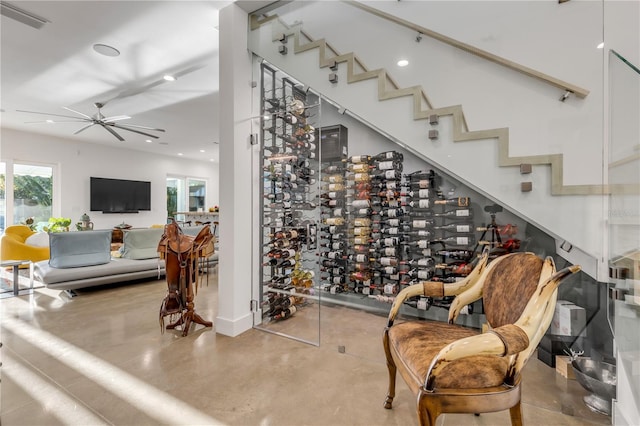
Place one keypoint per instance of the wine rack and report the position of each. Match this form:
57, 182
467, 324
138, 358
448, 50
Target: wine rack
289, 192
353, 229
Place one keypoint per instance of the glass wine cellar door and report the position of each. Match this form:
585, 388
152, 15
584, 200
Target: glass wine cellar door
289, 200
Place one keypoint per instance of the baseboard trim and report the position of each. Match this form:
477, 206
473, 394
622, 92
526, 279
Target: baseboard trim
234, 327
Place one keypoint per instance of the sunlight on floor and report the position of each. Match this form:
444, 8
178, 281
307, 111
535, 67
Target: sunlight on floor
153, 402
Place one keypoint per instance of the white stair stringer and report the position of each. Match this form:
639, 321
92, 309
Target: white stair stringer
581, 211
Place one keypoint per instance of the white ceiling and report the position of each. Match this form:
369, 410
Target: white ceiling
54, 67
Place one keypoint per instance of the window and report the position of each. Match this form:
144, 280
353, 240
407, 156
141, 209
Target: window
26, 191
185, 194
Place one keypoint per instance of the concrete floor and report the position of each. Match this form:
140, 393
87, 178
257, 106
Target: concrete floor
100, 358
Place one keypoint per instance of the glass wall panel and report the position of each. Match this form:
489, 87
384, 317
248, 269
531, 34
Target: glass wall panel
624, 231
32, 193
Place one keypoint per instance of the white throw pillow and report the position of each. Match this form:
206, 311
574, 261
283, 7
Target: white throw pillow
39, 239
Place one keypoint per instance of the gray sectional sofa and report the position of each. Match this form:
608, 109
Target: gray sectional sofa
84, 259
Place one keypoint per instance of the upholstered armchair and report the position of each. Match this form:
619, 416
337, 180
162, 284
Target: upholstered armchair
455, 369
13, 247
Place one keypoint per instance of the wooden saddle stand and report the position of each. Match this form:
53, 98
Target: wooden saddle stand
182, 255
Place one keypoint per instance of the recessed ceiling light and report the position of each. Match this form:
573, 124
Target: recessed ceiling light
202, 150
180, 153
212, 159
148, 141
601, 45
106, 50
49, 121
403, 63
169, 77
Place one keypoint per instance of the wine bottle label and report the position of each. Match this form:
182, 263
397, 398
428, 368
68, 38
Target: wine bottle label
385, 165
392, 185
360, 168
359, 177
338, 212
463, 228
394, 222
336, 280
394, 277
334, 221
362, 212
335, 179
362, 222
463, 212
366, 290
386, 261
359, 159
336, 246
422, 303
389, 270
392, 231
360, 240
419, 223
423, 193
423, 204
462, 241
389, 288
423, 274
336, 187
389, 242
389, 251
423, 184
393, 213
359, 204
424, 262
361, 258
390, 174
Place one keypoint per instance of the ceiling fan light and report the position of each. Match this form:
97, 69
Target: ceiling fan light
106, 50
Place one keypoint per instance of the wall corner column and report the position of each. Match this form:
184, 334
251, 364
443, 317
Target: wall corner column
236, 220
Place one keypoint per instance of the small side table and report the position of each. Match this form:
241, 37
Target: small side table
16, 276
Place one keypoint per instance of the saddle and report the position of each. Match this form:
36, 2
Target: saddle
181, 254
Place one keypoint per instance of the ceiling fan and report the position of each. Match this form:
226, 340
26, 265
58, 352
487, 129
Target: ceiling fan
108, 123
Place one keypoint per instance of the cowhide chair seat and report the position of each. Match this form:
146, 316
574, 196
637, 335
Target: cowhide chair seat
455, 369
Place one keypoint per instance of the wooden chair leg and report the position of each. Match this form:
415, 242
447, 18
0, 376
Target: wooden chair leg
515, 413
427, 412
391, 366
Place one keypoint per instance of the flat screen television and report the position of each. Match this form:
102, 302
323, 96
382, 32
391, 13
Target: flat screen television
119, 195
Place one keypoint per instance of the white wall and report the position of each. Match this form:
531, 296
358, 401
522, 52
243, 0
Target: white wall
77, 161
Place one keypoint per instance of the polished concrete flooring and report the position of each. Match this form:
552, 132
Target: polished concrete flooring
100, 358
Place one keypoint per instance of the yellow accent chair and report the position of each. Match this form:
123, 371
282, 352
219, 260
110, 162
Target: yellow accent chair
456, 369
13, 247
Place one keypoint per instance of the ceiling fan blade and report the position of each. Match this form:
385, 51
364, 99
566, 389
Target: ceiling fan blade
132, 130
78, 112
84, 128
56, 121
116, 118
48, 113
145, 127
110, 130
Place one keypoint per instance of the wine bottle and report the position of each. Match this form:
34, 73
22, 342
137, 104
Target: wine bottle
359, 159
388, 261
362, 222
456, 213
422, 233
360, 204
333, 271
338, 245
363, 212
455, 268
292, 233
360, 258
333, 255
419, 184
455, 254
332, 169
389, 165
421, 274
458, 201
422, 223
359, 167
332, 202
456, 228
386, 174
334, 221
461, 240
423, 262
422, 244
393, 212
331, 195
422, 203
285, 313
335, 279
334, 178
334, 187
421, 193
388, 156
359, 177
